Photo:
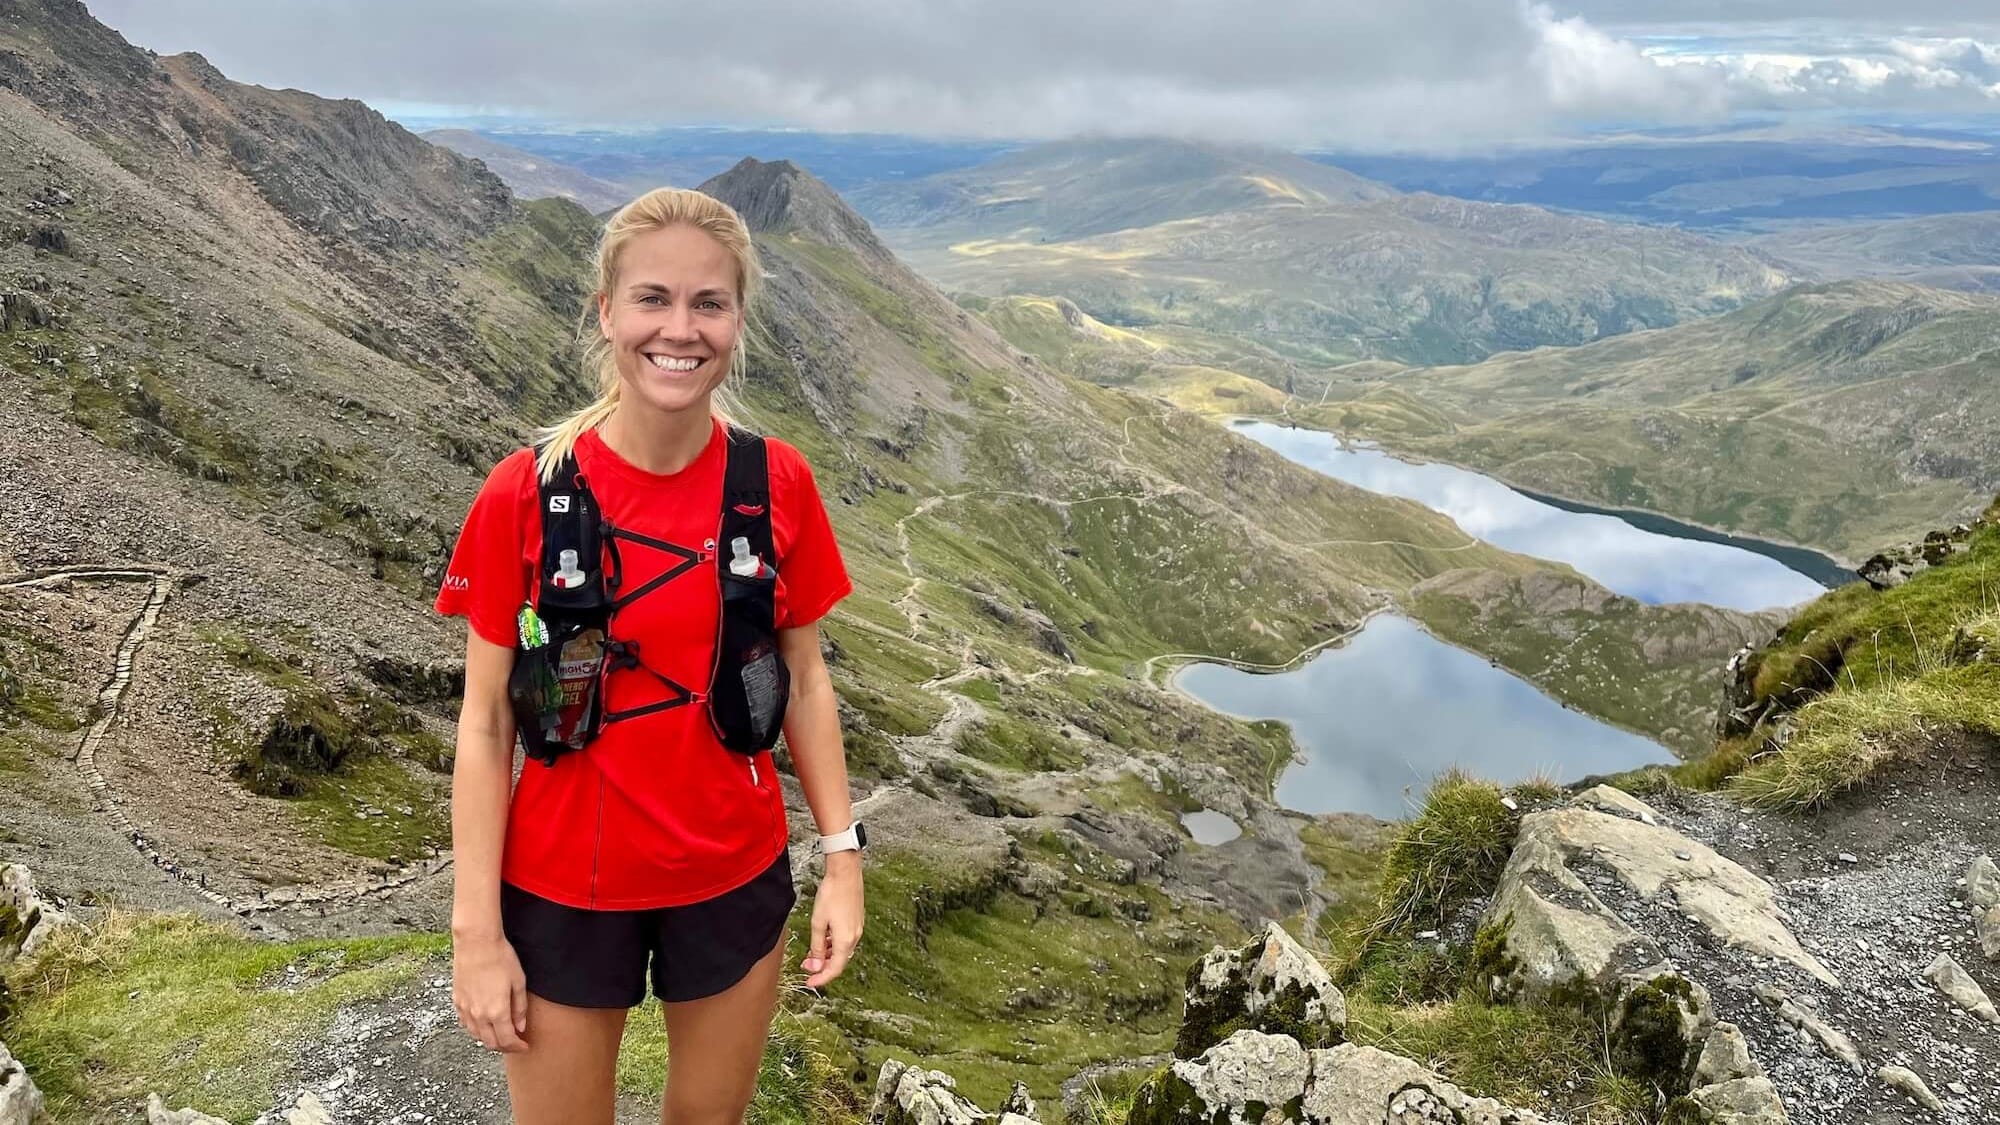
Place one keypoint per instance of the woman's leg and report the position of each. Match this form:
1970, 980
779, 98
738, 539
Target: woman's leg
714, 1045
568, 1073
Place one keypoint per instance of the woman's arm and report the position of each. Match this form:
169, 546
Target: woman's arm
812, 732
489, 990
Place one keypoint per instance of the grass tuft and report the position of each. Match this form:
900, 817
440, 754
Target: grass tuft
1450, 850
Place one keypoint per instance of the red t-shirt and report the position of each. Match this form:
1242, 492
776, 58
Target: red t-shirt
655, 811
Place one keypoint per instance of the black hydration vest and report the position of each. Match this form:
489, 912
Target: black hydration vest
748, 684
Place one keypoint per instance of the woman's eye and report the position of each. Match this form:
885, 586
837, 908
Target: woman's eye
650, 298
711, 304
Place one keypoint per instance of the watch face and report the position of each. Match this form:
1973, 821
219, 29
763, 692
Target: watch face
860, 834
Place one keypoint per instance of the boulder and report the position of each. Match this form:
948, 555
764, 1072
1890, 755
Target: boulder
1555, 933
1982, 883
26, 918
1959, 987
1739, 1101
20, 1101
157, 1113
1986, 927
1905, 1081
1355, 1085
1660, 1027
1247, 1079
908, 1095
1725, 1057
1560, 931
1271, 985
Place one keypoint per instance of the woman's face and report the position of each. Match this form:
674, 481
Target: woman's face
672, 318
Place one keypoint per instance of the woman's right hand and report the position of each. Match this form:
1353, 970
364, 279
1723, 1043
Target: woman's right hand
490, 992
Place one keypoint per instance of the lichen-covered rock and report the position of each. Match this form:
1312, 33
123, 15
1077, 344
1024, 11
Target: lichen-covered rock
1725, 1057
1739, 1101
1271, 985
1355, 1085
1247, 1079
1958, 985
26, 918
909, 1095
1660, 1028
157, 1113
20, 1101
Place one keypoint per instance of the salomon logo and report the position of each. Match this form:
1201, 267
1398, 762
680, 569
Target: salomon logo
558, 503
751, 510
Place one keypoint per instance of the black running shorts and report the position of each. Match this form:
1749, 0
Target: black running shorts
598, 958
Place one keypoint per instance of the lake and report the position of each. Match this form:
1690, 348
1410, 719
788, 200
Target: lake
1377, 718
1380, 716
1647, 563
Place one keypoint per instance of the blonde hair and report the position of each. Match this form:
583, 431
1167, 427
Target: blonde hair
655, 210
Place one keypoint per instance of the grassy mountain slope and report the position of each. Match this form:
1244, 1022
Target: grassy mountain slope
1415, 278
1950, 251
529, 176
1066, 190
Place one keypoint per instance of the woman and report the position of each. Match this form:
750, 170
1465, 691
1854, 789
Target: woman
653, 839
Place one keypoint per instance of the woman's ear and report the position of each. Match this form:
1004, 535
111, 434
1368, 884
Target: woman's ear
604, 315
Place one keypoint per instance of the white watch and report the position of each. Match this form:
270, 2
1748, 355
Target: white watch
853, 838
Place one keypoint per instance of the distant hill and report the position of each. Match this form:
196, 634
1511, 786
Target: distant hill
1072, 189
1839, 416
1955, 251
531, 176
1756, 178
1324, 271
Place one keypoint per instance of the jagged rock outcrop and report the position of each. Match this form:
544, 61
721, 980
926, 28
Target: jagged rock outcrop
20, 1100
910, 1095
1252, 1077
1238, 1081
1270, 985
1897, 565
1558, 929
26, 918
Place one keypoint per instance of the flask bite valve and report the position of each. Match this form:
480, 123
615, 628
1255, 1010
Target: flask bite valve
568, 576
742, 563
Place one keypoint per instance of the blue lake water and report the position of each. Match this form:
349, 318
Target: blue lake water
1644, 564
1379, 717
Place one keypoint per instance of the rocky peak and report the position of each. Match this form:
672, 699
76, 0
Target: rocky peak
778, 197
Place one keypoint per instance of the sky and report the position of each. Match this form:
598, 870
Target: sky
1409, 75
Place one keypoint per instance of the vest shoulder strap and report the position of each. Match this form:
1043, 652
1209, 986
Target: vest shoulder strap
746, 496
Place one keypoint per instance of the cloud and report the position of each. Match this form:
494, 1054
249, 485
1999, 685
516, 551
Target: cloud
1410, 74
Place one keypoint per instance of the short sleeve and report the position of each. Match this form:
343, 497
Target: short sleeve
812, 578
487, 581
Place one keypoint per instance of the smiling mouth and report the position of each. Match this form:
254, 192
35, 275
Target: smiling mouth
672, 363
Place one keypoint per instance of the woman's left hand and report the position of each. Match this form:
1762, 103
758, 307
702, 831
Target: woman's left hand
836, 920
